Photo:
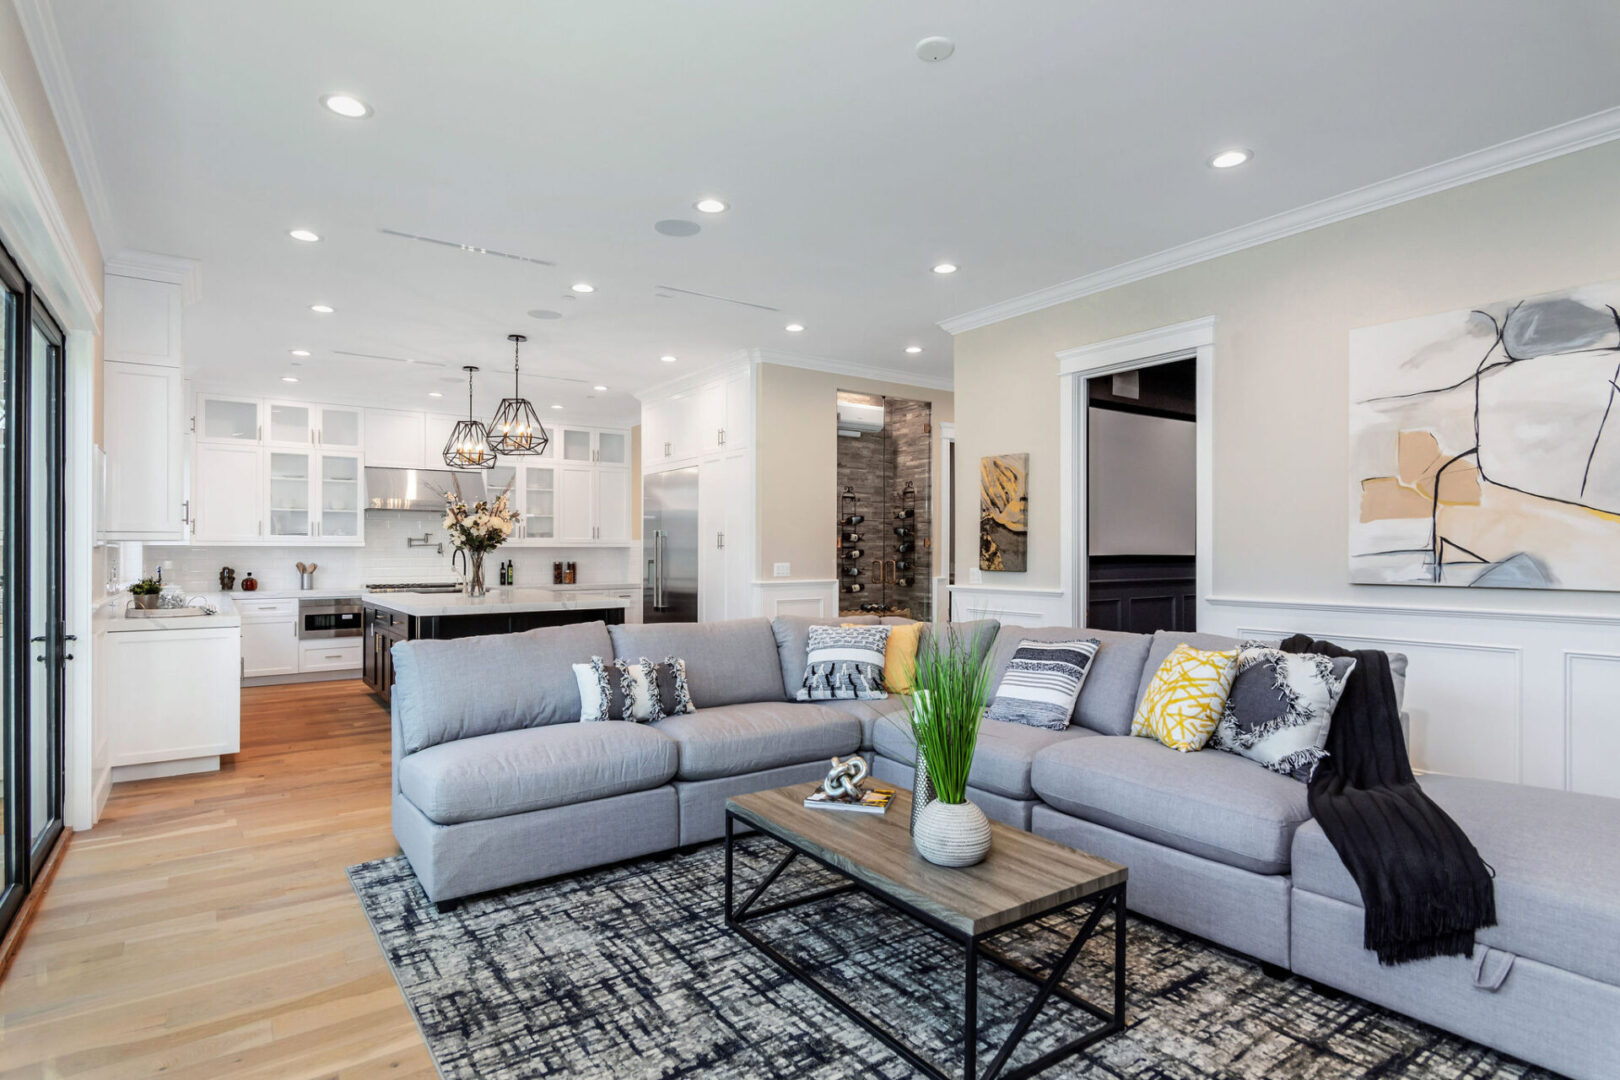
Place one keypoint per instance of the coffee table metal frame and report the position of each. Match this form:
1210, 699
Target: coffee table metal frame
976, 946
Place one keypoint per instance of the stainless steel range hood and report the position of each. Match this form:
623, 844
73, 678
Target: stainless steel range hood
419, 489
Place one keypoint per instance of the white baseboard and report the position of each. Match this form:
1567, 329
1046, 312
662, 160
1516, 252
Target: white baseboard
151, 769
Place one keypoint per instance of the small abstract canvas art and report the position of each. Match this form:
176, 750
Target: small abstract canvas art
1004, 512
1485, 445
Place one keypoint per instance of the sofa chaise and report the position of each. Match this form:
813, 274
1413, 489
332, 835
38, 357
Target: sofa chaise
496, 783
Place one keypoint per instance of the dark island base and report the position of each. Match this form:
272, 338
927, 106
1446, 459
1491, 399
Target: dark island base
384, 629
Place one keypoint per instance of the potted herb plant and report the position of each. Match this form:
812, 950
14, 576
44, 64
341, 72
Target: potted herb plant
950, 688
146, 592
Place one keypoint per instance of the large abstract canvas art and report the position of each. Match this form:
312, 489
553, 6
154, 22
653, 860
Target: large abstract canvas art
1004, 512
1485, 445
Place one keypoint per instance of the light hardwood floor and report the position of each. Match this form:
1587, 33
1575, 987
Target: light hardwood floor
204, 929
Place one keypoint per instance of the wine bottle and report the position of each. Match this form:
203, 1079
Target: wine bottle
852, 519
905, 547
854, 586
852, 571
902, 564
851, 553
902, 531
850, 538
903, 582
905, 512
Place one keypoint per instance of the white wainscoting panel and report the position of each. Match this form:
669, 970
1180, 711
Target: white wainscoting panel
1528, 698
1592, 722
1011, 605
817, 599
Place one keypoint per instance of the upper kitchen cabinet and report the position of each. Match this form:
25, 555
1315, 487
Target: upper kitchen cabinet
225, 487
143, 433
436, 432
338, 427
395, 439
229, 419
698, 422
595, 446
299, 423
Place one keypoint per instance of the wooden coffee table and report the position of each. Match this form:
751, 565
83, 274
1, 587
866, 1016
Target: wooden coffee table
1024, 877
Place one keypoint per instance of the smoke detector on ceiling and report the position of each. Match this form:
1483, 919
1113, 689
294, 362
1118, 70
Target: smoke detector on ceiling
935, 49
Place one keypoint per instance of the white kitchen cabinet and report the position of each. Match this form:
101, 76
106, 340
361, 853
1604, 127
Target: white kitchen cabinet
576, 503
178, 697
725, 537
330, 654
142, 436
340, 498
228, 419
142, 321
737, 425
289, 486
225, 486
539, 502
270, 647
289, 423
338, 427
600, 446
654, 440
612, 447
707, 407
612, 501
436, 432
394, 438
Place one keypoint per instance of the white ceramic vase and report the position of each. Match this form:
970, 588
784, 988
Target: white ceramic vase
952, 834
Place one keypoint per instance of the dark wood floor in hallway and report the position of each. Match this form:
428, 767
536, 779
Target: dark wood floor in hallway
205, 929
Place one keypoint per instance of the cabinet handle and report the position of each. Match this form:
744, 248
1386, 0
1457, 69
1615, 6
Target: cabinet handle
719, 540
260, 436
722, 436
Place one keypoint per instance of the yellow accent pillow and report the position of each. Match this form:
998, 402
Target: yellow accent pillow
900, 656
1185, 700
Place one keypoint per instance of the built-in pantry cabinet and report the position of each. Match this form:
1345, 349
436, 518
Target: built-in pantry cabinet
143, 432
707, 424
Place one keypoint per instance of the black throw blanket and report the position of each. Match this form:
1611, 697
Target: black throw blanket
1423, 885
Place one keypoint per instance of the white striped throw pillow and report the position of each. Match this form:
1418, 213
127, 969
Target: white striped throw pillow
844, 662
1042, 682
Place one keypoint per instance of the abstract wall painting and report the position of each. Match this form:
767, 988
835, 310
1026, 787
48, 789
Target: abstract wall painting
1485, 445
1004, 512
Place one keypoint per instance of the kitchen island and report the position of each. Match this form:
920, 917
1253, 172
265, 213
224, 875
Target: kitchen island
391, 618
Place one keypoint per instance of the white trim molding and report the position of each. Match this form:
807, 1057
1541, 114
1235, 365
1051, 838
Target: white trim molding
1194, 339
813, 597
1567, 138
149, 266
856, 370
1012, 605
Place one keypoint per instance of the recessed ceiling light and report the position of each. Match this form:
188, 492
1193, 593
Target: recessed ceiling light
935, 49
346, 105
304, 234
434, 393
794, 328
945, 268
580, 286
1230, 159
914, 349
556, 406
299, 352
598, 388
711, 205
289, 378
322, 309
667, 359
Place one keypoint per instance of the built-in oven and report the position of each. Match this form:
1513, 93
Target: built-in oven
329, 618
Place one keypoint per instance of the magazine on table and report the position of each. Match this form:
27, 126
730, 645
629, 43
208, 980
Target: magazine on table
873, 801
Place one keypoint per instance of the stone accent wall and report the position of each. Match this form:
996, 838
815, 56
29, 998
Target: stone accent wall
876, 467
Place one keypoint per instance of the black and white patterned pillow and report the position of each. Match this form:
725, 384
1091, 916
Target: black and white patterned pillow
599, 695
653, 691
1042, 681
1280, 708
844, 662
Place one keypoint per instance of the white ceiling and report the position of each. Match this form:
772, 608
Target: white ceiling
1062, 138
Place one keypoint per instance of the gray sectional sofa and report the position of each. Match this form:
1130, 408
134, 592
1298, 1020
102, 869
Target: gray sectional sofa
497, 783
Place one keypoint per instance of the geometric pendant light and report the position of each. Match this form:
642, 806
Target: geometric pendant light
469, 447
516, 428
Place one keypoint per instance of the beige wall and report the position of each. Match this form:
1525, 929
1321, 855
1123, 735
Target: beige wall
27, 92
796, 464
1284, 311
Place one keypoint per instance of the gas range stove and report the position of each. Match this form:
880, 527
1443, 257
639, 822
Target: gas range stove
416, 587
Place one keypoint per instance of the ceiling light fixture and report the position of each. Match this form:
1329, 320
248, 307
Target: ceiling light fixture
582, 287
1230, 159
556, 406
468, 446
934, 49
944, 268
434, 393
305, 235
913, 349
598, 388
794, 328
667, 359
516, 429
289, 378
711, 205
346, 105
299, 352
322, 309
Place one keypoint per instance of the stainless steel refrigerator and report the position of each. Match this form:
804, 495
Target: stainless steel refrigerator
669, 547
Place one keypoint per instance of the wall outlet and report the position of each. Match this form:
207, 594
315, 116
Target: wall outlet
781, 569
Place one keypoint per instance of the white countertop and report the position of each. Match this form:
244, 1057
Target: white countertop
352, 591
112, 616
499, 601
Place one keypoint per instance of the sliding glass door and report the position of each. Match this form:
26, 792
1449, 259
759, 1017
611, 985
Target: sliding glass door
33, 649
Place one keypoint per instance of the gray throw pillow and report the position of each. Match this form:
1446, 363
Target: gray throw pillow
1280, 707
844, 662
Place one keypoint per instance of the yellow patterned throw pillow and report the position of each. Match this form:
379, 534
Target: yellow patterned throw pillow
1183, 703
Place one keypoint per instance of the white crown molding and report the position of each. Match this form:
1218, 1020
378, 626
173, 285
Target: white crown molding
1137, 350
691, 380
150, 266
35, 227
50, 59
1567, 138
860, 371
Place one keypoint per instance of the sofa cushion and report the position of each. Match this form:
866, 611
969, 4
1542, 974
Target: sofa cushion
458, 689
726, 662
1108, 696
1557, 870
979, 633
1001, 762
890, 711
1210, 804
737, 739
514, 772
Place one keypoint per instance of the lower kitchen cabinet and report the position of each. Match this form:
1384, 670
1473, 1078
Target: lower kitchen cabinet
179, 706
330, 654
270, 644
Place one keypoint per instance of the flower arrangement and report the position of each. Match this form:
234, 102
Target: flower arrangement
477, 530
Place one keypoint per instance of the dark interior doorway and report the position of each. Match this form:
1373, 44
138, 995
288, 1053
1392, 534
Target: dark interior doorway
1142, 499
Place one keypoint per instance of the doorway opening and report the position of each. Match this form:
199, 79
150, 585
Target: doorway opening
1141, 462
885, 517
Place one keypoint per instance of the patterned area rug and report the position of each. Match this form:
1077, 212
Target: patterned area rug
630, 972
